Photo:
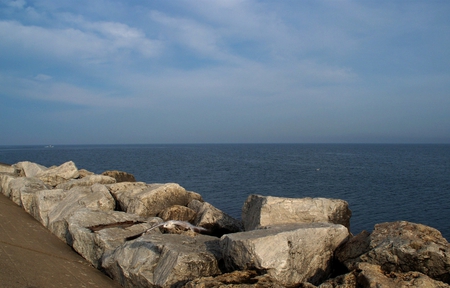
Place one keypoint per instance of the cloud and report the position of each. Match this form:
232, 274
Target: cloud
98, 42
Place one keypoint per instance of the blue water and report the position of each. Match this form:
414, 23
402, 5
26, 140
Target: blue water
381, 183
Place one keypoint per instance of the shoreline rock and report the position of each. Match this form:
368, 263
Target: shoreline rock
109, 219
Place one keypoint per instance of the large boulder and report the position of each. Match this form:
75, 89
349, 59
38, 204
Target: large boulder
44, 201
163, 260
6, 168
235, 279
120, 176
213, 219
96, 197
96, 234
88, 180
259, 211
288, 253
178, 212
5, 179
371, 275
148, 199
60, 174
21, 190
400, 247
30, 169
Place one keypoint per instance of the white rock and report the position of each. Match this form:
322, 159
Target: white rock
289, 253
88, 180
57, 175
96, 234
5, 179
259, 211
44, 201
96, 197
163, 260
148, 199
21, 190
215, 220
30, 169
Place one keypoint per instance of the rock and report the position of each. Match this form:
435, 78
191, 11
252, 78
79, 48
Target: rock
96, 234
44, 201
259, 211
57, 175
5, 179
6, 168
235, 279
21, 190
289, 253
88, 180
401, 247
177, 212
148, 199
30, 169
194, 196
83, 173
213, 219
96, 197
163, 260
120, 176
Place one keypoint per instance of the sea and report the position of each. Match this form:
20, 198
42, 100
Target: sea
380, 182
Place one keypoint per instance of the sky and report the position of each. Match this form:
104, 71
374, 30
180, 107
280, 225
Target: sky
224, 71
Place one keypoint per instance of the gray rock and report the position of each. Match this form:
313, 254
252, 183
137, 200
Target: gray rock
88, 180
400, 247
148, 199
163, 260
96, 234
213, 219
96, 197
30, 169
289, 253
259, 211
60, 174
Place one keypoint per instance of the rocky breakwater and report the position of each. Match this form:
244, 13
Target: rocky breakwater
125, 229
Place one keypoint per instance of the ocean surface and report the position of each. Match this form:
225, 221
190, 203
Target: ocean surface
381, 182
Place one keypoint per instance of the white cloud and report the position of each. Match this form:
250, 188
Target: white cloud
43, 77
100, 42
16, 4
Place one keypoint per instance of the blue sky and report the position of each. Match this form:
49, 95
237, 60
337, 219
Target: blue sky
225, 71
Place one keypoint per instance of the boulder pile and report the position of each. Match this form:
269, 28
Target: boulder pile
160, 235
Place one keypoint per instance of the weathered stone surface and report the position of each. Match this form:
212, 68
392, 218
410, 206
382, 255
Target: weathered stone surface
44, 201
96, 234
213, 219
289, 253
6, 168
88, 180
194, 196
5, 179
83, 173
148, 199
60, 174
96, 197
30, 169
259, 211
235, 279
120, 176
401, 247
22, 188
163, 260
177, 212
